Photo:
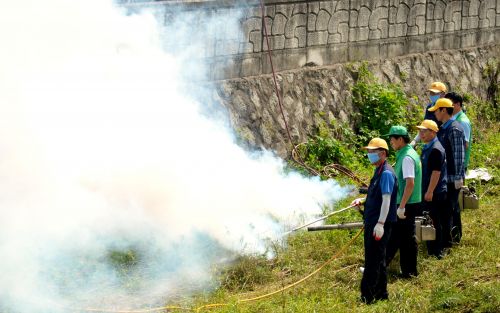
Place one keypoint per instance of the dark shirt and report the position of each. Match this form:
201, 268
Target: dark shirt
383, 182
434, 159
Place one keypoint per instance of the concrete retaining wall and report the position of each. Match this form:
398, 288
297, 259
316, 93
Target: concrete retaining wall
329, 32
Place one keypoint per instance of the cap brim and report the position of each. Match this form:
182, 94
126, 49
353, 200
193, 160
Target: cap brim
373, 148
423, 127
391, 134
435, 90
433, 108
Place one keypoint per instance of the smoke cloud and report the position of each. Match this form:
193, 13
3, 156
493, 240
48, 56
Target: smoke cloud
116, 191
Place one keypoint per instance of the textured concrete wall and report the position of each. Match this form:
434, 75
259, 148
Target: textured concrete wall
330, 32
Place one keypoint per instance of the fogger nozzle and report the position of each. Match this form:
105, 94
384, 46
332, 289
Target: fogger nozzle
336, 226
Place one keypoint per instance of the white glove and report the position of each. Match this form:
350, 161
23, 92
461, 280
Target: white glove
459, 183
413, 143
401, 213
358, 201
378, 231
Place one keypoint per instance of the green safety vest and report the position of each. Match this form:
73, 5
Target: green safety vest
416, 195
462, 118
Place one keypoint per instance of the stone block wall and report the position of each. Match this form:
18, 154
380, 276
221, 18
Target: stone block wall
329, 32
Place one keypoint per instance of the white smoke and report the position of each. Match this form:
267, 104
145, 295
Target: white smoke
104, 161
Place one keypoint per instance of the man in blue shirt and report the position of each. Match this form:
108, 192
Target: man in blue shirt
379, 215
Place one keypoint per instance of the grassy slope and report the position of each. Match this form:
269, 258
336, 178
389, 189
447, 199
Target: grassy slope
467, 280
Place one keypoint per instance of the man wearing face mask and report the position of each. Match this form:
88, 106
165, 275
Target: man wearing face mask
436, 91
379, 215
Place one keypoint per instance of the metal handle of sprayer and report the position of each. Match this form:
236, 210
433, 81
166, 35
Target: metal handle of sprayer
320, 219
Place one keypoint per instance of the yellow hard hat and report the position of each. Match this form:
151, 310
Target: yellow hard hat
438, 87
441, 103
428, 124
377, 143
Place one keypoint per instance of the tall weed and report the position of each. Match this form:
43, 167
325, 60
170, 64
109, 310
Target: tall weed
380, 106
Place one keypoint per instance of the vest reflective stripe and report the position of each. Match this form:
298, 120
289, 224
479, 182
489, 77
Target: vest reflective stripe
461, 117
426, 173
416, 195
374, 197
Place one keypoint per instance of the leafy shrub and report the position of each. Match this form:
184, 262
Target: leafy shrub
380, 106
482, 113
332, 144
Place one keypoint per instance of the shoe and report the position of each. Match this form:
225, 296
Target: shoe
406, 275
372, 300
362, 270
439, 256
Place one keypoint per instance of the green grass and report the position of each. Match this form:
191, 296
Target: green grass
466, 280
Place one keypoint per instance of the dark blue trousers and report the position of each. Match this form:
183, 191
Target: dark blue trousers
456, 220
404, 239
374, 281
440, 213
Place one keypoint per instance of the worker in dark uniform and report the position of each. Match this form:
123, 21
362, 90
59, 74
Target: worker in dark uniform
379, 215
434, 187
